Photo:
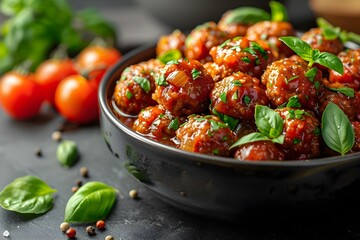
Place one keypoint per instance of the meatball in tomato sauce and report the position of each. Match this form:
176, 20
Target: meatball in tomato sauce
259, 151
205, 134
175, 40
201, 39
183, 87
302, 134
133, 91
286, 78
237, 96
240, 54
317, 40
232, 28
157, 123
271, 31
351, 77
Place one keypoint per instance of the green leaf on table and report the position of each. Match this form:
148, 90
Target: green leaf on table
27, 194
93, 201
67, 153
336, 129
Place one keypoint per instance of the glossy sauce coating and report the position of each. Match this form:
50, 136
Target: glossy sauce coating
237, 96
175, 40
184, 87
259, 151
205, 134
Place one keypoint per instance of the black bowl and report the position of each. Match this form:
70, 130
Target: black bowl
218, 186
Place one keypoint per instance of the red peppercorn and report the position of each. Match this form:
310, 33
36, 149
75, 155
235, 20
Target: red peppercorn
100, 225
71, 233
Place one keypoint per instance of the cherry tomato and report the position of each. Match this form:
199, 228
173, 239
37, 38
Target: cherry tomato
20, 96
94, 60
76, 100
49, 74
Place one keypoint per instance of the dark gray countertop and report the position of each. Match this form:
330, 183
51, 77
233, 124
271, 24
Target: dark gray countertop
147, 217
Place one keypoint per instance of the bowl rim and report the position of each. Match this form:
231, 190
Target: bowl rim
210, 159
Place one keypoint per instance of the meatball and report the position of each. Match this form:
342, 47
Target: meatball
217, 72
201, 39
316, 39
351, 76
349, 105
175, 40
133, 91
259, 151
157, 123
237, 96
205, 134
271, 31
183, 87
232, 29
356, 126
302, 134
240, 54
286, 78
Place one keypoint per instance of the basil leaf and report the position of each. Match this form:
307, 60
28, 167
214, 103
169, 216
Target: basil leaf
322, 23
331, 33
311, 73
278, 12
279, 139
247, 15
330, 61
349, 92
268, 121
336, 129
171, 55
299, 46
350, 36
93, 201
230, 121
252, 137
67, 153
293, 102
143, 82
27, 194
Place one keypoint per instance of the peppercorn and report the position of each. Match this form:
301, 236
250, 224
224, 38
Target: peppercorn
84, 171
74, 189
79, 183
71, 233
109, 237
100, 225
38, 152
56, 136
133, 194
90, 230
64, 226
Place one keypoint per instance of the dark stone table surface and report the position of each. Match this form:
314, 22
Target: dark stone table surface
145, 218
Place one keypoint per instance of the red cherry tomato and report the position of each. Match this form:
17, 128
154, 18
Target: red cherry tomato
94, 60
76, 100
20, 96
49, 74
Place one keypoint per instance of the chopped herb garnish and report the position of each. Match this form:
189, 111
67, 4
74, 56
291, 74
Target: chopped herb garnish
293, 102
236, 48
298, 113
223, 97
230, 121
296, 141
290, 79
128, 95
246, 99
224, 138
160, 80
143, 82
195, 73
174, 124
237, 83
311, 73
224, 43
317, 85
317, 131
161, 115
171, 55
172, 62
235, 95
216, 151
246, 59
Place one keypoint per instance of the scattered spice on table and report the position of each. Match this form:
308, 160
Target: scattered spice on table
56, 136
90, 230
100, 224
64, 226
133, 194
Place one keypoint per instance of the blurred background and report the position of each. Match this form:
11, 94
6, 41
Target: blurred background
141, 21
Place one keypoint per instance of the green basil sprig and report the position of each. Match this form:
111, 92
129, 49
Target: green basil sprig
27, 194
304, 50
143, 82
330, 32
67, 153
171, 55
270, 126
93, 201
336, 129
278, 12
247, 15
